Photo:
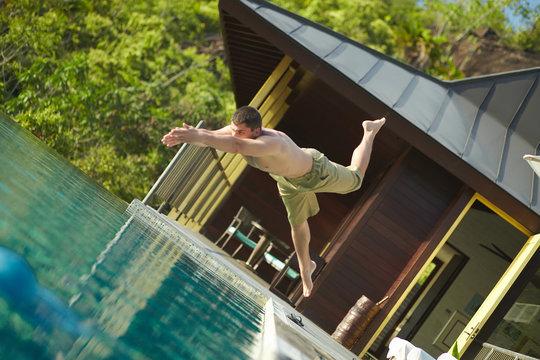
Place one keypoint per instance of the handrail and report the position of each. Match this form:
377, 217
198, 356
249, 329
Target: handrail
169, 168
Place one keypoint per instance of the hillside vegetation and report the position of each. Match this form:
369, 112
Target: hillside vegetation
101, 81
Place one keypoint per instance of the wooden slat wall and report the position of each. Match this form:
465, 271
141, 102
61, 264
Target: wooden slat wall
382, 238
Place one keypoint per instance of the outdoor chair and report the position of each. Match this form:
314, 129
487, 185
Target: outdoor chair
240, 228
246, 229
400, 349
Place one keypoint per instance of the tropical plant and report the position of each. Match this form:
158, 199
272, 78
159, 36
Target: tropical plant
102, 81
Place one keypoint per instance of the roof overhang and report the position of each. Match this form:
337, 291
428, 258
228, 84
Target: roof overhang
478, 128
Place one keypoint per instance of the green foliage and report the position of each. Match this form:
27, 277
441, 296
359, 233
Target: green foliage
426, 274
419, 32
464, 15
528, 35
396, 28
365, 21
530, 40
102, 81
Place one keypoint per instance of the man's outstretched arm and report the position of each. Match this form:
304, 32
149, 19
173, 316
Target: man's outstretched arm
222, 139
171, 139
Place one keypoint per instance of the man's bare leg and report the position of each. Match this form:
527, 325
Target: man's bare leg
362, 153
301, 237
301, 234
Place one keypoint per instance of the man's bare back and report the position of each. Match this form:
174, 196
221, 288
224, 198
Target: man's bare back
290, 162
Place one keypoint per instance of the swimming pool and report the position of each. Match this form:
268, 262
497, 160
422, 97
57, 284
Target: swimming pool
86, 275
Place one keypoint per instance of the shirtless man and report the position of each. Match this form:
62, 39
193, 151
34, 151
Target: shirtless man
300, 173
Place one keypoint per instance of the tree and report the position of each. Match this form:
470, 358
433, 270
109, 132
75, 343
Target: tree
421, 32
101, 81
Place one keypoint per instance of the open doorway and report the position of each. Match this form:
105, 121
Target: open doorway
478, 250
423, 297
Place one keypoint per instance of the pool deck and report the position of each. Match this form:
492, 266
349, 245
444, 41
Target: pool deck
282, 338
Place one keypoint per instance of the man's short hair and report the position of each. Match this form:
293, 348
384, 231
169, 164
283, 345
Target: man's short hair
249, 116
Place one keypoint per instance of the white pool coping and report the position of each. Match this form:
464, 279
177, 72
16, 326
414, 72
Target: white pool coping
268, 348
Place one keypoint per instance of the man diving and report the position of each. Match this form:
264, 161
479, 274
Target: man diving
300, 173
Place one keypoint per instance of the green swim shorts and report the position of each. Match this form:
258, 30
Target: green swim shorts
298, 194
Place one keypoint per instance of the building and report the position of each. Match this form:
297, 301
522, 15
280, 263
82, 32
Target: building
446, 223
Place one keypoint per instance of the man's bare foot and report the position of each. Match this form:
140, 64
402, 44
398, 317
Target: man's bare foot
373, 126
307, 283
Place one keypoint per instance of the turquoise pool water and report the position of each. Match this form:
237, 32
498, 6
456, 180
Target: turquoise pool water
84, 275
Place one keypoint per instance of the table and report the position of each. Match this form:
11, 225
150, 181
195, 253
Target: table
266, 241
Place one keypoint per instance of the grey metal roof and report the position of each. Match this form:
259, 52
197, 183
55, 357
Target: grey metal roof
489, 122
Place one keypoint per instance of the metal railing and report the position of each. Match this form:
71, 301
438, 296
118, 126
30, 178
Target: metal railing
186, 178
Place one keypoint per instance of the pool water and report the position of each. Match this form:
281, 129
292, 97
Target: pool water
84, 275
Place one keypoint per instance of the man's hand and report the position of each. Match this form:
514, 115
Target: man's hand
185, 134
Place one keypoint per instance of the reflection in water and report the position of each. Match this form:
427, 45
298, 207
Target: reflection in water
35, 303
161, 295
139, 287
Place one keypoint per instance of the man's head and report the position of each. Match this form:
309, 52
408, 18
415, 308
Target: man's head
246, 122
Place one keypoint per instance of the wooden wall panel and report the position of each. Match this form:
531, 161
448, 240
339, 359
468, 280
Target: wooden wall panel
383, 244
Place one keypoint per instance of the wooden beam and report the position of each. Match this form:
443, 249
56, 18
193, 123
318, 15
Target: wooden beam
270, 82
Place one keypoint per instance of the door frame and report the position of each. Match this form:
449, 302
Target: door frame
497, 294
504, 306
502, 286
511, 274
434, 294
